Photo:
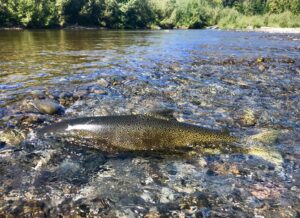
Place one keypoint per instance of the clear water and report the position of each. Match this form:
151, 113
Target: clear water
206, 77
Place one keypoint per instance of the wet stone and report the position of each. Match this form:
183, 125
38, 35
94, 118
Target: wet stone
66, 99
153, 214
63, 102
198, 199
65, 95
38, 94
2, 144
225, 169
117, 80
80, 94
210, 172
261, 67
47, 107
102, 82
248, 118
12, 137
32, 119
53, 94
98, 91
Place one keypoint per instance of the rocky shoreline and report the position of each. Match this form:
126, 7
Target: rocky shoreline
278, 30
260, 29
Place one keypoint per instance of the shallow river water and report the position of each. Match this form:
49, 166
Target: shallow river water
246, 82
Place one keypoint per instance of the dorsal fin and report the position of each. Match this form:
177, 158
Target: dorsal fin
163, 114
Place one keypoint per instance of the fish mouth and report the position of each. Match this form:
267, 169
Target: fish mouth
68, 126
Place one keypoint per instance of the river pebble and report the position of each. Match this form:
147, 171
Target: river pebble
47, 107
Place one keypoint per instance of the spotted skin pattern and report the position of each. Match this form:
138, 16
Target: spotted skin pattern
134, 133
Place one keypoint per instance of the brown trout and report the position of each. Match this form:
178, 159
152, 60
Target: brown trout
135, 133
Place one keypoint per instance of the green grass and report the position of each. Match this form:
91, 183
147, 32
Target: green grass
232, 19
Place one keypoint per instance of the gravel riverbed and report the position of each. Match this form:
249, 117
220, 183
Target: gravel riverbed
246, 82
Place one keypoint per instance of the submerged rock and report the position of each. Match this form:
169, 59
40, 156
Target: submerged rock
248, 118
12, 137
98, 91
38, 94
47, 107
80, 93
2, 144
225, 169
102, 82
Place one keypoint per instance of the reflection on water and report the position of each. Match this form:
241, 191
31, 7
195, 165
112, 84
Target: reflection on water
32, 60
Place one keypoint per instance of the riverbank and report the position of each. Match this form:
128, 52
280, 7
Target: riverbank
277, 30
261, 29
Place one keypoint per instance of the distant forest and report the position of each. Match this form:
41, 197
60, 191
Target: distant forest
141, 14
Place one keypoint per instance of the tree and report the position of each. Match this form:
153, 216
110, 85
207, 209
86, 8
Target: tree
276, 6
192, 13
4, 14
230, 3
32, 13
165, 12
251, 7
137, 14
69, 10
295, 6
92, 12
112, 14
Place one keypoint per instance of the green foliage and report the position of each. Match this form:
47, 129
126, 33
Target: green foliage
69, 10
276, 6
285, 19
92, 12
150, 13
30, 13
165, 12
137, 14
112, 15
232, 19
230, 3
251, 7
295, 6
228, 18
4, 14
279, 6
191, 13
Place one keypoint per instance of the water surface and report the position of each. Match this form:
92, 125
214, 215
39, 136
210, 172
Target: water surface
205, 77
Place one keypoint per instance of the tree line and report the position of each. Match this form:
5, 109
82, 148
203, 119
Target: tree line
132, 14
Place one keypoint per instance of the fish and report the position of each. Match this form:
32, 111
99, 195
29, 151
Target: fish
144, 133
134, 133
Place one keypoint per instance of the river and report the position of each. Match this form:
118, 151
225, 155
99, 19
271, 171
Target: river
246, 82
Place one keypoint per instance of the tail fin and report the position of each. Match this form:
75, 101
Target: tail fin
260, 145
266, 153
